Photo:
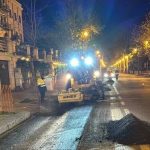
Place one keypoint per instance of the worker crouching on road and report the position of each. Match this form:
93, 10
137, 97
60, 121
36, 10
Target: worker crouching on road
41, 87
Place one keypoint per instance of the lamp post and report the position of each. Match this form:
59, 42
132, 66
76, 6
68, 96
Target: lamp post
85, 37
86, 34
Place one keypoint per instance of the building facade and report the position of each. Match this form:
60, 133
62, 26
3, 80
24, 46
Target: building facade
17, 60
11, 35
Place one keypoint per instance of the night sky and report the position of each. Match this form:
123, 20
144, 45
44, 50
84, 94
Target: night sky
118, 18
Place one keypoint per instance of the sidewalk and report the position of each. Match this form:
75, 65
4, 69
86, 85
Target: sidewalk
28, 100
8, 121
26, 103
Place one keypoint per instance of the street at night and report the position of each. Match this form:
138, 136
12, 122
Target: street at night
74, 74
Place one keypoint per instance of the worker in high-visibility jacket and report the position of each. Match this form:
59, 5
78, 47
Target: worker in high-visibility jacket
41, 87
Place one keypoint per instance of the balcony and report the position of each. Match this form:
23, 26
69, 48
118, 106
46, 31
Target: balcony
3, 44
5, 25
4, 7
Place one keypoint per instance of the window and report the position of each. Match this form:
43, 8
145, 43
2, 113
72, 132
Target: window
19, 19
15, 16
10, 14
1, 1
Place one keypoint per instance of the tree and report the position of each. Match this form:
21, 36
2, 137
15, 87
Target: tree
141, 38
145, 29
67, 28
32, 20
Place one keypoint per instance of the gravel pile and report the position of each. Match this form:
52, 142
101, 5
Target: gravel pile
129, 130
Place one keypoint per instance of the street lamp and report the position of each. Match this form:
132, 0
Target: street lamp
146, 44
135, 50
86, 34
97, 52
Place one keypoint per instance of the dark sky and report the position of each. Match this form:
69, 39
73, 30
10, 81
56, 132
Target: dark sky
118, 18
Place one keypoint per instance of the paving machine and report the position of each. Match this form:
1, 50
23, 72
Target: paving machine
83, 80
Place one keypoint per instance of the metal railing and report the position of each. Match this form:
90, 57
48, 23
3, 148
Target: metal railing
4, 7
5, 25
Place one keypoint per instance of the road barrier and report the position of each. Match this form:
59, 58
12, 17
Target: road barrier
6, 99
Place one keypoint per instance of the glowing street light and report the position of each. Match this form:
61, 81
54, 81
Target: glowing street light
146, 44
23, 58
135, 50
27, 59
86, 34
97, 52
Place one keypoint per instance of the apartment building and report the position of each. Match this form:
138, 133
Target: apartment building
11, 35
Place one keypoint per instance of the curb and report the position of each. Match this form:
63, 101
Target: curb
9, 121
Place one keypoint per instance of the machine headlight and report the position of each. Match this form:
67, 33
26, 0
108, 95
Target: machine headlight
97, 74
74, 62
88, 61
105, 75
68, 76
112, 75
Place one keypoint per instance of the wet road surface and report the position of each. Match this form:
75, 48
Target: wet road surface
47, 133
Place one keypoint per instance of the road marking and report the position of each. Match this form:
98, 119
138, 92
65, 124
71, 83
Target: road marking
116, 90
113, 98
116, 114
126, 111
123, 103
123, 147
120, 97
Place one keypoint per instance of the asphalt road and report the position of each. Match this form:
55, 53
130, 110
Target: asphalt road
49, 132
134, 93
130, 94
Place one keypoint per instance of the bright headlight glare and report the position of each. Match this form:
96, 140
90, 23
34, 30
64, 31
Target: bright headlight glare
97, 73
68, 76
88, 61
112, 75
105, 75
74, 62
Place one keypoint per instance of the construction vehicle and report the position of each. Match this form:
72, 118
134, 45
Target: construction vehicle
84, 77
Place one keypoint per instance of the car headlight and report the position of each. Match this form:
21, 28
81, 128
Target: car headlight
105, 75
97, 74
74, 62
